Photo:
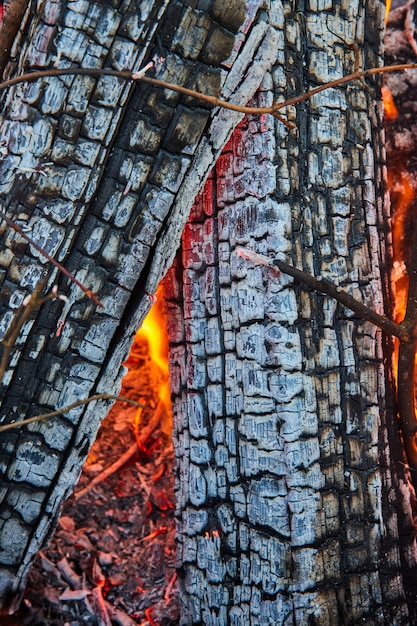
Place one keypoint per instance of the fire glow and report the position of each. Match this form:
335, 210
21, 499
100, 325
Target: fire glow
154, 332
390, 108
400, 188
402, 196
401, 192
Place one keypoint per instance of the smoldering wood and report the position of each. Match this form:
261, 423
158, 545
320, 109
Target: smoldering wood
402, 173
284, 427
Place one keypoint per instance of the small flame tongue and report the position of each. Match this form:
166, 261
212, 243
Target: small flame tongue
390, 108
387, 9
154, 331
402, 195
403, 218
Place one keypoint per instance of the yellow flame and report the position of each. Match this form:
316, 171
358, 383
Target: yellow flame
390, 108
387, 9
402, 190
406, 195
154, 330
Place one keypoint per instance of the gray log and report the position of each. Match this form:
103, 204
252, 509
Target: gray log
289, 462
102, 173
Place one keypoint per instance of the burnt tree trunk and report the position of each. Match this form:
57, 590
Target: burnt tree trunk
293, 506
292, 501
102, 173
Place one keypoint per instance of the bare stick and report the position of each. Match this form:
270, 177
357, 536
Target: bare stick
119, 617
344, 79
65, 409
108, 471
406, 332
100, 609
330, 289
23, 314
170, 586
213, 100
90, 294
159, 531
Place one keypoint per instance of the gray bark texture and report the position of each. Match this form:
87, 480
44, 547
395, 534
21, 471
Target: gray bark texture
293, 507
102, 173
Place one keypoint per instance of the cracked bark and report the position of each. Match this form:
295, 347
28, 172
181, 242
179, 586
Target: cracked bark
289, 457
103, 174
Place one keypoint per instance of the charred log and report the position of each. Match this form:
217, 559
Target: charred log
102, 173
289, 474
283, 410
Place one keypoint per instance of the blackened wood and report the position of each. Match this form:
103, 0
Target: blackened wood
282, 400
101, 173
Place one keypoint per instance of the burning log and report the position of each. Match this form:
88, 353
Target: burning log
103, 173
284, 435
401, 147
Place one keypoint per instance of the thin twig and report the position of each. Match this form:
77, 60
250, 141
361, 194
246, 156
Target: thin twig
108, 471
90, 294
344, 79
65, 409
156, 533
100, 608
213, 100
118, 616
325, 286
170, 586
406, 332
22, 315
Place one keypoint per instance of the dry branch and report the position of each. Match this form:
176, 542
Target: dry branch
380, 321
90, 294
65, 409
118, 616
213, 100
406, 332
108, 471
23, 314
100, 607
325, 286
170, 586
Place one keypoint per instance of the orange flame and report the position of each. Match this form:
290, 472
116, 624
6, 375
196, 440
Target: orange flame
387, 9
402, 188
154, 330
390, 108
402, 195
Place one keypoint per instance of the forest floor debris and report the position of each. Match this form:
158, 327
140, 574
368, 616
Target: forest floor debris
112, 558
